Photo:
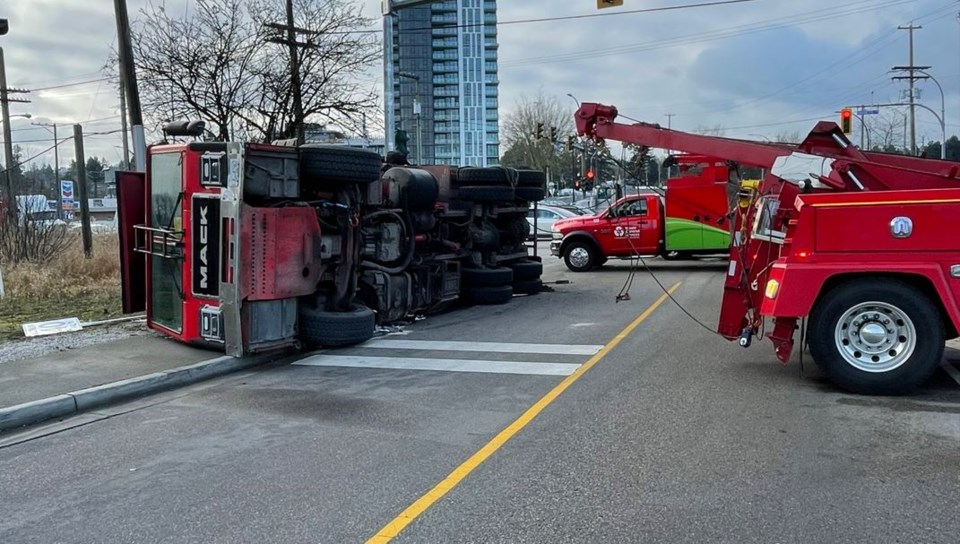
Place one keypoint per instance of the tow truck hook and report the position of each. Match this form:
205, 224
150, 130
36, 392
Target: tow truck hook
746, 337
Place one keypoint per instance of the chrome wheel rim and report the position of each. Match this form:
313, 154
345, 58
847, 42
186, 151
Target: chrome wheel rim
579, 257
875, 337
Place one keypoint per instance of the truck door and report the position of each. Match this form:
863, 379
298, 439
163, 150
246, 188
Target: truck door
131, 210
635, 227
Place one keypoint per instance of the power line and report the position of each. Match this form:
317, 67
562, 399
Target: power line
544, 19
740, 30
74, 84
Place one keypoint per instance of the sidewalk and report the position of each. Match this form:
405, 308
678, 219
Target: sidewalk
61, 372
69, 380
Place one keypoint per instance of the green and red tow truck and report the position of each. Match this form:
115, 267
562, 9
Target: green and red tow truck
691, 218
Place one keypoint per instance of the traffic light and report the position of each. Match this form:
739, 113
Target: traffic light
590, 174
553, 134
569, 143
538, 134
576, 184
846, 121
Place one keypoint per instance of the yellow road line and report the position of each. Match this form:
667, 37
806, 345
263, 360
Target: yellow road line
412, 512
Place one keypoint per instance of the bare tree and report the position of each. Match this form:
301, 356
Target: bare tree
221, 62
887, 131
332, 59
518, 131
198, 66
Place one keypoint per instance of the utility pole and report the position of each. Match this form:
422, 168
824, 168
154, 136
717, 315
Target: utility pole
128, 79
295, 75
7, 137
669, 117
296, 87
910, 69
81, 189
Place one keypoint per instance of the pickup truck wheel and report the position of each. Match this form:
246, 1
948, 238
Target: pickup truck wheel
322, 328
877, 337
486, 194
580, 256
676, 256
488, 295
486, 277
335, 164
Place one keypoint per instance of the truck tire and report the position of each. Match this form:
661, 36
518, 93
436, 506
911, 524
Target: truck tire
488, 295
484, 177
876, 336
580, 256
486, 277
322, 328
474, 193
335, 164
531, 194
526, 270
527, 287
531, 178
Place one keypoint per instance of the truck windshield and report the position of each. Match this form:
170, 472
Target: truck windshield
166, 172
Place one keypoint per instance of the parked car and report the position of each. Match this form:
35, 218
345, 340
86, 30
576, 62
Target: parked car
546, 216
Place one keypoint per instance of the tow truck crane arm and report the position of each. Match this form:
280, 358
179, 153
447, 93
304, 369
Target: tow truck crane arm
598, 121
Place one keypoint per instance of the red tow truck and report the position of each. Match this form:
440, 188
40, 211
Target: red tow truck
246, 247
857, 250
691, 218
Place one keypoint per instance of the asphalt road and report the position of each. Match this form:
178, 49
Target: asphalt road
674, 435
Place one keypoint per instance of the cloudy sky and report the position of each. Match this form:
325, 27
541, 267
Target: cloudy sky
756, 68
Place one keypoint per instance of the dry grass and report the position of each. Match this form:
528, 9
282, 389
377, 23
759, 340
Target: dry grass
70, 285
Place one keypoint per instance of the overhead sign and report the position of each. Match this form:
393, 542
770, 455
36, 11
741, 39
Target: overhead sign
608, 3
868, 111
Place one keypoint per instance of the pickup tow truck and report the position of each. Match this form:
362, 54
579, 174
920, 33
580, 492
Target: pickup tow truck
691, 218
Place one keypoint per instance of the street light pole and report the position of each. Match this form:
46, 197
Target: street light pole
943, 116
56, 158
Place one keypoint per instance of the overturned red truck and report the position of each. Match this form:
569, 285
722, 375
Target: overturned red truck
855, 250
250, 247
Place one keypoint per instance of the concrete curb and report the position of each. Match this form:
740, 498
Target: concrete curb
32, 412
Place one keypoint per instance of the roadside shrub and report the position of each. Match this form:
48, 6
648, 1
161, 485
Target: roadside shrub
31, 242
67, 273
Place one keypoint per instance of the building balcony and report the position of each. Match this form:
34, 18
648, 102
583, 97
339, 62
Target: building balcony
441, 67
446, 43
445, 18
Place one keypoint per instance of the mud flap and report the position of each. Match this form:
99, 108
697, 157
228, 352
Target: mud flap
782, 337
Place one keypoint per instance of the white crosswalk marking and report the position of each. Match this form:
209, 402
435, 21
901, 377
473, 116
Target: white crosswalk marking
494, 347
358, 357
449, 365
